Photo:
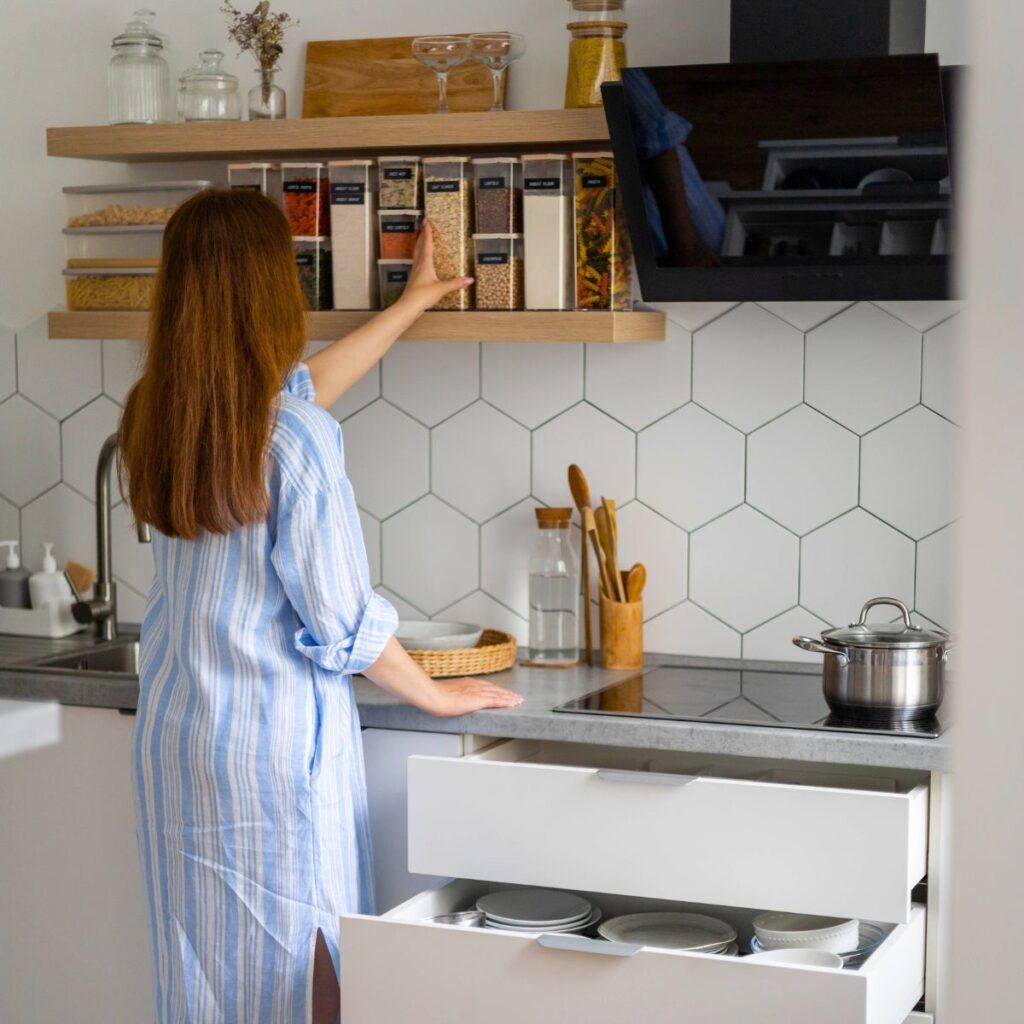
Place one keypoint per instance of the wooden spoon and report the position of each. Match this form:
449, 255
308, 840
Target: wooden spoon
614, 588
590, 527
581, 496
636, 580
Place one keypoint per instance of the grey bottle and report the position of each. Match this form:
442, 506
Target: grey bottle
14, 591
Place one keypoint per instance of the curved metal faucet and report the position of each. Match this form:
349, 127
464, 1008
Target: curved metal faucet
101, 609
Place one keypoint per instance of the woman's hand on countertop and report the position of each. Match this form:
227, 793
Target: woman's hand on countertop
463, 696
425, 289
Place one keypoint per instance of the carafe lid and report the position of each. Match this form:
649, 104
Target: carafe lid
140, 30
553, 518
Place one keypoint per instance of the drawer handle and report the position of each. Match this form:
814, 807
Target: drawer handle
646, 778
581, 944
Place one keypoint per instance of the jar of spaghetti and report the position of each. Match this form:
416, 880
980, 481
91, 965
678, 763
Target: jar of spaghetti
306, 199
597, 53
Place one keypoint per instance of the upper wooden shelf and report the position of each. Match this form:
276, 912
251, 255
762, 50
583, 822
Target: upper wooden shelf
325, 136
530, 326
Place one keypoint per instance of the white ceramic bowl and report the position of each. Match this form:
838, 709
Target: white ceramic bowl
803, 931
437, 636
805, 957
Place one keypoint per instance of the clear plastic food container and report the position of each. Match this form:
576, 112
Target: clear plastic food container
399, 232
394, 276
604, 278
499, 271
109, 288
353, 234
499, 194
313, 262
448, 203
548, 231
127, 203
132, 243
257, 177
399, 182
305, 199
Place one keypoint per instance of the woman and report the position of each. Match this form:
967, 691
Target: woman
248, 764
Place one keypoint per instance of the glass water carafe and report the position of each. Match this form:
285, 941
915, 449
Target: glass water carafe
554, 590
138, 78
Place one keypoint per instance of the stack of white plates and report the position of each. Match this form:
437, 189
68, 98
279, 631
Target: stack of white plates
695, 933
537, 910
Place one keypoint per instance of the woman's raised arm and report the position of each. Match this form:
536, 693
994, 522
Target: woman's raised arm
336, 368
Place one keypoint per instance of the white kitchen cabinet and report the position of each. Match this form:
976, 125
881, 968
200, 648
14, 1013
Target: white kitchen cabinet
401, 967
673, 826
387, 753
74, 929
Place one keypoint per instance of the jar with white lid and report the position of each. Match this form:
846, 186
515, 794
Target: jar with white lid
138, 78
206, 92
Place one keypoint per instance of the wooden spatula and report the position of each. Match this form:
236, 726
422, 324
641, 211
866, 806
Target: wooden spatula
581, 496
616, 592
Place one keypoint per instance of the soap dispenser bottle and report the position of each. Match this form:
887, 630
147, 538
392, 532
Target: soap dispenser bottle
49, 586
14, 592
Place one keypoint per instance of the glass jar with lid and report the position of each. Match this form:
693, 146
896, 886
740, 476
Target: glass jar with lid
206, 92
554, 590
597, 53
138, 78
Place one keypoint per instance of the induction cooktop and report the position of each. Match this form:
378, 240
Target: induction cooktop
735, 696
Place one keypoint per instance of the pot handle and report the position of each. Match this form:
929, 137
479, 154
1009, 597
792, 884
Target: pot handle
808, 643
894, 601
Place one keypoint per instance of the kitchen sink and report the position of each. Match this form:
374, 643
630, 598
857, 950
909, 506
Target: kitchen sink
119, 658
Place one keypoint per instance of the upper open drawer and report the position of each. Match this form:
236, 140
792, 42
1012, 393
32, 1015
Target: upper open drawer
672, 826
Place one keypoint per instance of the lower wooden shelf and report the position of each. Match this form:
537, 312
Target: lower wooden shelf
587, 326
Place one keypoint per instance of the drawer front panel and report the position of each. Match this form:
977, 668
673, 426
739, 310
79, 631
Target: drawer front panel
838, 852
405, 970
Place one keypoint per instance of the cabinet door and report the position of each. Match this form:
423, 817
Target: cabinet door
74, 929
387, 752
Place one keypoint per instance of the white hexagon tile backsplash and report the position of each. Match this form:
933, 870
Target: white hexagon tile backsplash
775, 465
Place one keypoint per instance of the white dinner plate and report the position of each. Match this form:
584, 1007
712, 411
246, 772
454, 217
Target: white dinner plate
581, 926
415, 635
536, 908
670, 930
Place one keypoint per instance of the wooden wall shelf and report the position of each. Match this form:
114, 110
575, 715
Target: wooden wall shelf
645, 325
327, 136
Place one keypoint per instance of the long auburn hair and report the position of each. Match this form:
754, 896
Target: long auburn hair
225, 329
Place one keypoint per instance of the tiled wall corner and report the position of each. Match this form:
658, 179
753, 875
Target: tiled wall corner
774, 465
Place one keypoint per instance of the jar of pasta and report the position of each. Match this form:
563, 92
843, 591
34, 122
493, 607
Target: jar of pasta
604, 278
597, 53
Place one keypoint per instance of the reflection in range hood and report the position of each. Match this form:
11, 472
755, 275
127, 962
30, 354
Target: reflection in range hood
835, 30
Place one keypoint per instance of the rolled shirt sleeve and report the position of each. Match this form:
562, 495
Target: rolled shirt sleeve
320, 558
299, 383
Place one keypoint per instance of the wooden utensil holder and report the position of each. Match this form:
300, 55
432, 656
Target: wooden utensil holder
622, 633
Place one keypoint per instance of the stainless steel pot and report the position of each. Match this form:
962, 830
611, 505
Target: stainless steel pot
882, 672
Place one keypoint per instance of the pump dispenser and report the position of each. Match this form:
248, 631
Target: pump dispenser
49, 586
14, 592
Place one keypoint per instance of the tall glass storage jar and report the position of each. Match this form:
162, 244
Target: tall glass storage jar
138, 78
498, 186
448, 203
597, 53
604, 271
547, 230
353, 234
256, 177
306, 198
554, 590
313, 262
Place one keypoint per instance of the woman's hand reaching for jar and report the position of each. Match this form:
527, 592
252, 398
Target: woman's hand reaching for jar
425, 289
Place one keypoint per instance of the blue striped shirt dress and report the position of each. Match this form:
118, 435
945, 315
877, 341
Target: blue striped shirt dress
248, 764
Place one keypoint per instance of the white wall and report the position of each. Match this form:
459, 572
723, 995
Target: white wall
711, 443
987, 885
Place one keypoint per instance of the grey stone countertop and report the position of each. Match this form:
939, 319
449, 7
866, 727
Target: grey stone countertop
545, 689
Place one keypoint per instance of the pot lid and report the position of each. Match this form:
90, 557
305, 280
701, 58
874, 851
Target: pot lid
900, 634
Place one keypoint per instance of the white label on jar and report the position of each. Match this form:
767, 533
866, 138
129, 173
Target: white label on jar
348, 193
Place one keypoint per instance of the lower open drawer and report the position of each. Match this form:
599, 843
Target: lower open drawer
401, 967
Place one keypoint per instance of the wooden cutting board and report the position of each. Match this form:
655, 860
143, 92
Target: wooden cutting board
354, 77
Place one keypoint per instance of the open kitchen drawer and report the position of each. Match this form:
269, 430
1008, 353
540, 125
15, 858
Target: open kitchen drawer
399, 967
841, 843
